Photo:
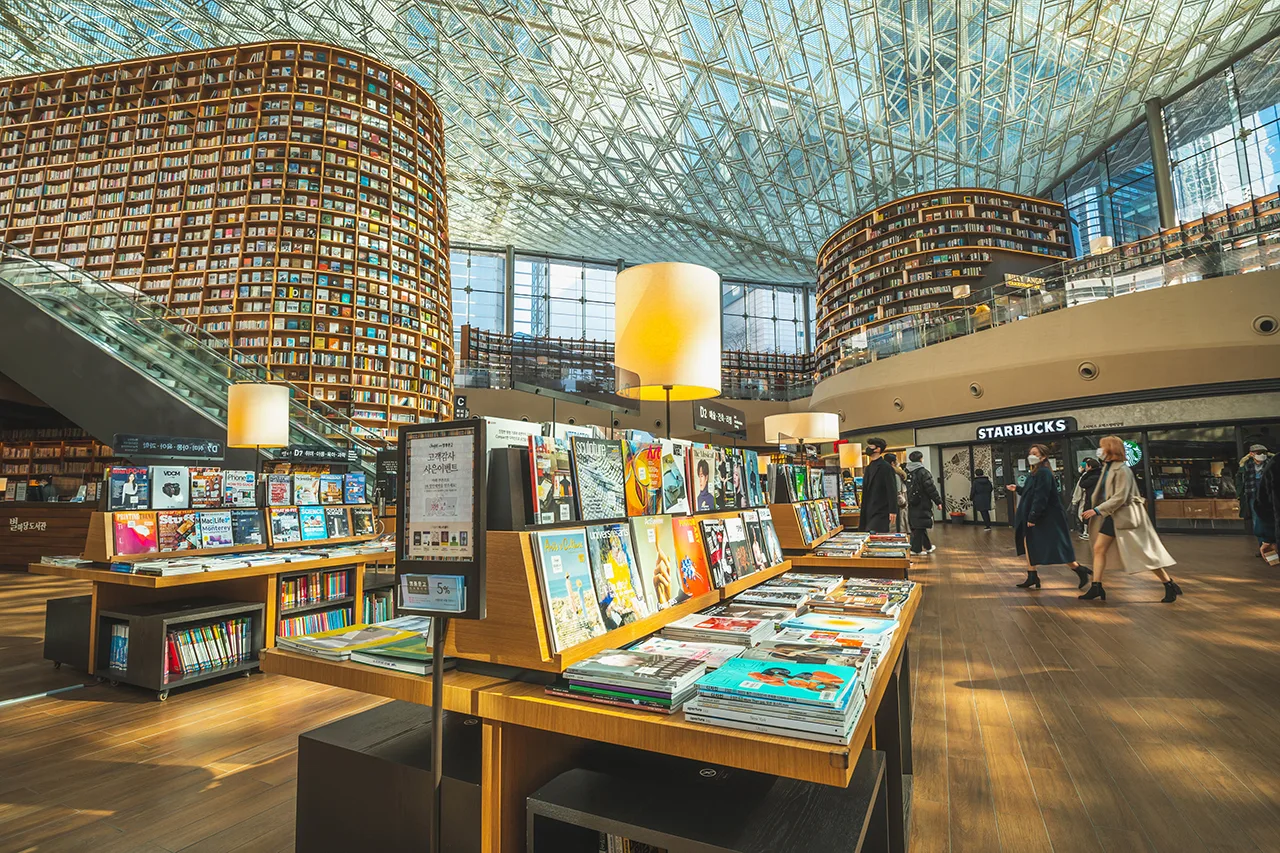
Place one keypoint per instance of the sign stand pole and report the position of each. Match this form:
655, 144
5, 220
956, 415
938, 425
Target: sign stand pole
439, 625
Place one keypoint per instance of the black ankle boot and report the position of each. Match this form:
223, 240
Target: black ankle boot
1171, 592
1095, 591
1033, 580
1083, 573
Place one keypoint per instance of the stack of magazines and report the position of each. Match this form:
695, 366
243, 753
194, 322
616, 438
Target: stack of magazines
869, 629
813, 702
820, 647
712, 654
632, 678
710, 628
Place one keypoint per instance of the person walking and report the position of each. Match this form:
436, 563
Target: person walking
1040, 525
879, 490
980, 496
1266, 509
900, 519
1082, 497
1247, 477
922, 497
1119, 517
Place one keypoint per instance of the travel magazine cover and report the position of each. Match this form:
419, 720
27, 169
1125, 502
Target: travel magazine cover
615, 574
598, 478
567, 591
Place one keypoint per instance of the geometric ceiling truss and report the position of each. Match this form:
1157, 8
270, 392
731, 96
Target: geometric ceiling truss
734, 133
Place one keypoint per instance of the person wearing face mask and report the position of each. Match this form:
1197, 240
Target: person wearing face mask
879, 490
1040, 524
1266, 509
1247, 477
1119, 517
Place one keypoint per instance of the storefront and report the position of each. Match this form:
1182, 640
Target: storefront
1186, 465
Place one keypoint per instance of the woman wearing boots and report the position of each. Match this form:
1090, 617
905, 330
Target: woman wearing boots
1040, 526
1119, 516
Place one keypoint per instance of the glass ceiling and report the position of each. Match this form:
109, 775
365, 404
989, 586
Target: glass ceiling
734, 134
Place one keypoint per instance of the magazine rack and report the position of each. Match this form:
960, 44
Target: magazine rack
786, 521
515, 632
100, 544
319, 543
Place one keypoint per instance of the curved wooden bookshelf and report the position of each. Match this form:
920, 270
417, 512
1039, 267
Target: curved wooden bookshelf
905, 257
288, 197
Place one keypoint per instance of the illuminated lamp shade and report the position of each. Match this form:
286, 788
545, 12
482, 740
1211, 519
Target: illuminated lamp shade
257, 415
668, 332
851, 456
807, 427
961, 291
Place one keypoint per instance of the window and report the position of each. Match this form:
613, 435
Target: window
764, 318
478, 281
564, 299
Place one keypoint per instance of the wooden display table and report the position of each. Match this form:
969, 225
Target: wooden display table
113, 590
530, 737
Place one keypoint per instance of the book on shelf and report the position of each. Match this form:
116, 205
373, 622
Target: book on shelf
648, 681
246, 527
118, 654
598, 478
755, 540
332, 490
306, 490
339, 643
135, 533
170, 487
712, 654
337, 522
858, 626
354, 487
702, 476
655, 556
279, 490
693, 574
771, 596
552, 479
701, 627
239, 488
619, 589
311, 521
755, 492
643, 477
191, 651
719, 560
128, 488
362, 521
178, 530
568, 593
735, 534
285, 524
412, 654
215, 529
206, 488
675, 479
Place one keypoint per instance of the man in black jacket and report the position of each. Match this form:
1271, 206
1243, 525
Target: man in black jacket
879, 490
922, 497
980, 493
1266, 510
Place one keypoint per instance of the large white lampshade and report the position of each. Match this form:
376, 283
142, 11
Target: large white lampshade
807, 427
668, 332
850, 455
257, 416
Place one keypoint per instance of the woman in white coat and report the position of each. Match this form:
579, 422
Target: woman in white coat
1119, 517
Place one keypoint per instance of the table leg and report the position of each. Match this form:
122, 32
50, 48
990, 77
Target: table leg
93, 629
905, 708
515, 762
889, 740
877, 838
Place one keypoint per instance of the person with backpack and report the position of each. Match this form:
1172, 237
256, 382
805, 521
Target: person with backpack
922, 497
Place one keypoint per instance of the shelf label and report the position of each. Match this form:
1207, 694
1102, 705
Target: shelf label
440, 593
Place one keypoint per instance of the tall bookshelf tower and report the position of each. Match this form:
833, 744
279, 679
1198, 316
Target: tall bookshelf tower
288, 196
904, 258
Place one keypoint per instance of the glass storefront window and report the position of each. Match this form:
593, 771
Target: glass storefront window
1193, 477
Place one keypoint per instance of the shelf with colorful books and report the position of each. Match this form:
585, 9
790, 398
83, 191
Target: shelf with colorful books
318, 526
805, 524
137, 536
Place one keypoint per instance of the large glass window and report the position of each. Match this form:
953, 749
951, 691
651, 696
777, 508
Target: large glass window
763, 318
1113, 195
478, 281
1193, 477
564, 299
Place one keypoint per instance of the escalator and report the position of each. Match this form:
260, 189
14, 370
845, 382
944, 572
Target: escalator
113, 360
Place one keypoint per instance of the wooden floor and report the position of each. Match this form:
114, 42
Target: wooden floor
1042, 723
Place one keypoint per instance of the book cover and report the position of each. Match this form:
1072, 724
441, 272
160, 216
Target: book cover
170, 487
735, 536
702, 474
215, 529
643, 478
331, 489
712, 654
279, 490
656, 556
598, 478
239, 488
362, 521
856, 625
354, 487
773, 546
755, 540
801, 475
567, 591
206, 487
732, 625
128, 488
738, 476
246, 526
285, 524
306, 490
337, 523
135, 533
631, 666
724, 480
675, 485
719, 560
178, 530
827, 686
311, 520
552, 481
692, 573
751, 466
619, 589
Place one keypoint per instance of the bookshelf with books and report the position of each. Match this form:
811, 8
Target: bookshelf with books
908, 256
286, 198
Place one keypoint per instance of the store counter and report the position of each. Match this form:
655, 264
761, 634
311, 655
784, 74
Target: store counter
30, 530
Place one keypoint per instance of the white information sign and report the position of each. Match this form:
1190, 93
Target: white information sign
440, 504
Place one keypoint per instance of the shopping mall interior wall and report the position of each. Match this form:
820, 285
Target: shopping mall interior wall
1200, 333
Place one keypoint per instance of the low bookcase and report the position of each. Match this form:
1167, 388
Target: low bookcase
147, 662
332, 591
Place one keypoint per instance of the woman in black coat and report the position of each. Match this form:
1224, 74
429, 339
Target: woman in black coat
1040, 526
980, 494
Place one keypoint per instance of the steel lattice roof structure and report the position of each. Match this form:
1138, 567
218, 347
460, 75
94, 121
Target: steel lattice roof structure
734, 134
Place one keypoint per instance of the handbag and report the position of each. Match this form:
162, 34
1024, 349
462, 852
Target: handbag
1131, 515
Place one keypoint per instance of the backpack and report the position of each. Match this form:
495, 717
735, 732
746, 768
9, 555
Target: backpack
917, 493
